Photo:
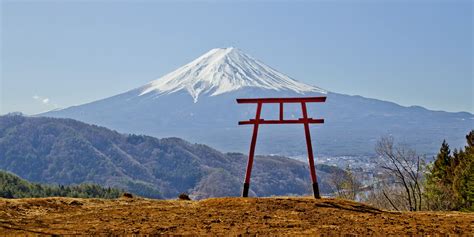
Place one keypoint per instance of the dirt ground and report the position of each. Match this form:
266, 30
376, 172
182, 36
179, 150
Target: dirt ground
219, 216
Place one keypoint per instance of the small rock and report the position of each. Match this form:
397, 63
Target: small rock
75, 203
184, 196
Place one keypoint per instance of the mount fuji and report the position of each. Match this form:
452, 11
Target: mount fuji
197, 102
225, 70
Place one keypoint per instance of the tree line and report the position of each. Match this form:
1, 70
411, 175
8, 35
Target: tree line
11, 186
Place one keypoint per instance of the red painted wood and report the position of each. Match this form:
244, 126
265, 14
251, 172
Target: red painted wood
252, 144
288, 121
281, 100
309, 145
281, 111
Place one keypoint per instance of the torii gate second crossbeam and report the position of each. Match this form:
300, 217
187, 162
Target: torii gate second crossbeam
305, 121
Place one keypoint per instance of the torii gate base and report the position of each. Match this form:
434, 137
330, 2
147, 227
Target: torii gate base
305, 121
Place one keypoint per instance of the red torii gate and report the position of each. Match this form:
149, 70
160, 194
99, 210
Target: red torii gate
257, 121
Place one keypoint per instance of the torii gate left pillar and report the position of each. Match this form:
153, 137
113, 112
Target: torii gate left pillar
304, 120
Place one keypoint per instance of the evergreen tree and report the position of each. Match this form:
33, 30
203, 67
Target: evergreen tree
441, 168
450, 182
463, 183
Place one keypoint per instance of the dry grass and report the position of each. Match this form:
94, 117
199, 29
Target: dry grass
221, 216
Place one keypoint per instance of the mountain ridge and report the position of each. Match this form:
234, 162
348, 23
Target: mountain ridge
65, 151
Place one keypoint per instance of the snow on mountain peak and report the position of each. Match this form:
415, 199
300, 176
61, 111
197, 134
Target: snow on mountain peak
223, 70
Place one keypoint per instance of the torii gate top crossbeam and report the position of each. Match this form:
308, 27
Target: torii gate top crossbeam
281, 100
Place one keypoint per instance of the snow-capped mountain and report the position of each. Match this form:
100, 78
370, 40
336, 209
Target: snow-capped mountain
197, 102
223, 70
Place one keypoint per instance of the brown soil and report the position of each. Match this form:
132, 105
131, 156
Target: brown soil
219, 216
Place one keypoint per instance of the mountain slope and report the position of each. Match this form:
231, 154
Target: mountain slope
197, 102
66, 151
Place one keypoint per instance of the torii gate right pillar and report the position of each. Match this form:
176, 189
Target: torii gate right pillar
309, 147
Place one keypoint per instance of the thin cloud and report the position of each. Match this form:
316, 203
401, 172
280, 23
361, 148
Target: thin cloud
45, 101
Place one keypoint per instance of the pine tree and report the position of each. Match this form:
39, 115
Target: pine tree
463, 183
450, 182
441, 168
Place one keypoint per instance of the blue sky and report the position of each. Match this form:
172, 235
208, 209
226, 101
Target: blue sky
59, 54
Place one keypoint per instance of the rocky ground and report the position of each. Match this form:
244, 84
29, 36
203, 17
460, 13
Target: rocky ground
219, 216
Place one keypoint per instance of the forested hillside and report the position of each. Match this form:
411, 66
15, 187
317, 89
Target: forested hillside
11, 186
65, 151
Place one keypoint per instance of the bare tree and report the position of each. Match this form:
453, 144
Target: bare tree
383, 194
345, 185
406, 168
